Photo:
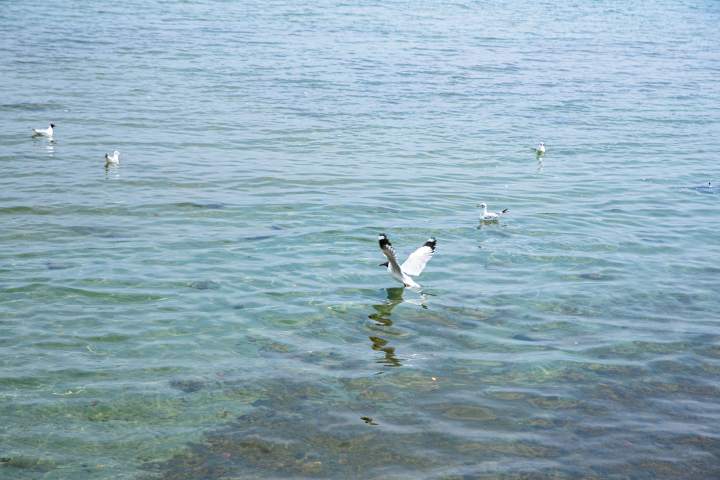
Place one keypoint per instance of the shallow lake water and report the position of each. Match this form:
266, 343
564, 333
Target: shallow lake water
213, 306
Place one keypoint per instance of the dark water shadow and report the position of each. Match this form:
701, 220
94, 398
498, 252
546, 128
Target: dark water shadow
382, 315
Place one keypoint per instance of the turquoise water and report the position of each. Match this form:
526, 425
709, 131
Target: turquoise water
212, 307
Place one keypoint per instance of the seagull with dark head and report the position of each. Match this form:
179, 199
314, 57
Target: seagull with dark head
48, 132
414, 265
115, 159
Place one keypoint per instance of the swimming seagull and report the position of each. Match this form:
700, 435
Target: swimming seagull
47, 132
114, 159
412, 266
541, 148
490, 216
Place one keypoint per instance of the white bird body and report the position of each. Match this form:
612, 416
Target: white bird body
489, 216
414, 265
114, 159
541, 148
48, 132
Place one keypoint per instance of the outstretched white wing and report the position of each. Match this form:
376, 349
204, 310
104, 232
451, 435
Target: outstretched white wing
389, 252
416, 262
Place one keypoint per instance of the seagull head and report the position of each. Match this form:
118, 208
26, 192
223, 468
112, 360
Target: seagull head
117, 153
482, 205
52, 125
386, 264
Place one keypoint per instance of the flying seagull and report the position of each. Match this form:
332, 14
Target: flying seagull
47, 132
115, 159
412, 266
490, 216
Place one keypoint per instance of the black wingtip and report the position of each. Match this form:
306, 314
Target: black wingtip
431, 243
505, 210
382, 238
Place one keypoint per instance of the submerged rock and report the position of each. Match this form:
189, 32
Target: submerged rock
463, 412
594, 276
239, 306
468, 312
524, 338
30, 464
262, 237
101, 231
187, 385
60, 265
116, 235
207, 204
498, 233
88, 230
26, 106
204, 285
275, 348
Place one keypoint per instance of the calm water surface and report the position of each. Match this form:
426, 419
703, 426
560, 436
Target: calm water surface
213, 306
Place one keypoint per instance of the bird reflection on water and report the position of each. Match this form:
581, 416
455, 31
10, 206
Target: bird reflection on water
382, 318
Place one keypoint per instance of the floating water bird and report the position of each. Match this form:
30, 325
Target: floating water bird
490, 216
414, 265
48, 132
541, 148
114, 159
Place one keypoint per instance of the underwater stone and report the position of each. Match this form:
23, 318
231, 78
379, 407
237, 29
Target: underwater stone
239, 306
468, 312
85, 230
593, 276
207, 204
116, 235
188, 386
463, 412
204, 285
524, 338
31, 464
261, 237
60, 265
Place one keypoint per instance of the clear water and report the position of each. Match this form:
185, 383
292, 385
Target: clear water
213, 307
